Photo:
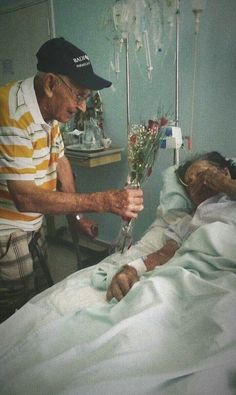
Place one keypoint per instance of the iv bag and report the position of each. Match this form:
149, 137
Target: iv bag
122, 16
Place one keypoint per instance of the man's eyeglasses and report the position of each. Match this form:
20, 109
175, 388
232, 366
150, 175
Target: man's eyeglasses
78, 97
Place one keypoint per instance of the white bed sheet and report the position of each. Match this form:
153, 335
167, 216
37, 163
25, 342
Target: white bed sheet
173, 334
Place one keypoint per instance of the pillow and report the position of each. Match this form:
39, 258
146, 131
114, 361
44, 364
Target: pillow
174, 205
173, 197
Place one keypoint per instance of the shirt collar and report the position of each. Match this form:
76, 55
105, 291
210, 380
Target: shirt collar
32, 103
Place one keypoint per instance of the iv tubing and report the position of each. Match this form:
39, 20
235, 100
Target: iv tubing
177, 66
147, 53
176, 151
194, 84
126, 40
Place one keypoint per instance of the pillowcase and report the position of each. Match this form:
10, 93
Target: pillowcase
173, 197
174, 205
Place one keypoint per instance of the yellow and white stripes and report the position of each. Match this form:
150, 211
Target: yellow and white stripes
29, 150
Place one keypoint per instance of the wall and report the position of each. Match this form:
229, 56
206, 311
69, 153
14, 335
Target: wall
214, 109
82, 22
8, 5
87, 30
216, 76
16, 59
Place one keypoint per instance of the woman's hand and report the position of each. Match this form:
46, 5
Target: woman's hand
217, 179
208, 183
122, 282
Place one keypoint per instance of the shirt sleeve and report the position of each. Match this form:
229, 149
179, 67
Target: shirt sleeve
179, 231
16, 151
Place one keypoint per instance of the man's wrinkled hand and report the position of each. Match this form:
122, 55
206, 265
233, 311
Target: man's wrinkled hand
126, 202
88, 227
122, 282
84, 226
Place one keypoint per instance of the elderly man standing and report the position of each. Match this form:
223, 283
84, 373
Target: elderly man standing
32, 161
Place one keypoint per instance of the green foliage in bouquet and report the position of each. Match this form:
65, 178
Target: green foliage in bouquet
143, 145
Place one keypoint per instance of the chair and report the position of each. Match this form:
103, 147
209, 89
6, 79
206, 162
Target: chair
82, 246
37, 251
14, 294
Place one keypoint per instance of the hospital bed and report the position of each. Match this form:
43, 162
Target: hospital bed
173, 334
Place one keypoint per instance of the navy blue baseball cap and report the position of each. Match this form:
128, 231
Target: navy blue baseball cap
61, 57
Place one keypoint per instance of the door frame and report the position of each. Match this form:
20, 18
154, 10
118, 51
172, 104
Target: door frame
5, 9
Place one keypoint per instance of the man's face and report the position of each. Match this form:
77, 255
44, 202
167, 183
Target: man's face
67, 99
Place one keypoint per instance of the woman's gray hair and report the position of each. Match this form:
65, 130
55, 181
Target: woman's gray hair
214, 157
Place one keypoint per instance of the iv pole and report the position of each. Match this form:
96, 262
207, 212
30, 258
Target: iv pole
176, 151
126, 41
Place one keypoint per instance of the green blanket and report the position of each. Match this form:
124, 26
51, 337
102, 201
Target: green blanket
173, 334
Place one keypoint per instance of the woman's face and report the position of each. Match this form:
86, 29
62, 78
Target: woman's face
194, 179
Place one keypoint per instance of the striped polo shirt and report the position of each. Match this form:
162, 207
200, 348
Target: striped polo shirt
29, 150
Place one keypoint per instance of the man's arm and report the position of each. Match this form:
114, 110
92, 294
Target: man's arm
28, 197
66, 183
123, 281
65, 176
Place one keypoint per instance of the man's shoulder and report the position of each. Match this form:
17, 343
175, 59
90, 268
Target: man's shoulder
7, 102
6, 89
14, 101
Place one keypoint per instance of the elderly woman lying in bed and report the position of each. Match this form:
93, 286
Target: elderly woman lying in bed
208, 180
173, 333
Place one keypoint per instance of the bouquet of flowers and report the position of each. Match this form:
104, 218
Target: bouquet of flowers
143, 145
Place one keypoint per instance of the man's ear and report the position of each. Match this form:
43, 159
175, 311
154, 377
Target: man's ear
50, 83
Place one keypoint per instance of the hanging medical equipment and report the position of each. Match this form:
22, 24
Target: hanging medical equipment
176, 150
172, 137
176, 141
116, 64
145, 19
147, 54
136, 17
141, 18
197, 8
